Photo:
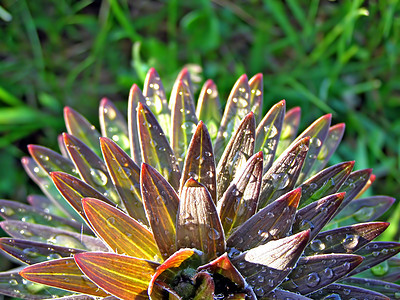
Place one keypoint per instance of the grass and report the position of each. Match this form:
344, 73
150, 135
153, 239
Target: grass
338, 57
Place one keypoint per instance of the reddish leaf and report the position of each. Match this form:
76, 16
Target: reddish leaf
161, 203
135, 96
199, 162
62, 273
256, 95
290, 127
122, 276
344, 291
198, 223
119, 231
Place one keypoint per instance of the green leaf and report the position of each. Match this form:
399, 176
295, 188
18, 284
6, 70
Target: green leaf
236, 153
13, 285
315, 272
31, 252
344, 291
375, 253
113, 124
206, 286
240, 200
156, 150
50, 160
73, 190
50, 235
268, 133
317, 214
80, 128
135, 96
199, 162
345, 239
270, 223
184, 77
62, 273
156, 100
12, 210
184, 119
282, 176
120, 275
125, 175
290, 127
44, 203
208, 108
317, 132
326, 182
90, 167
328, 148
198, 224
237, 107
161, 203
256, 95
272, 261
120, 232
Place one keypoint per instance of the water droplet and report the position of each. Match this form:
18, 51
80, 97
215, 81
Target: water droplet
99, 177
259, 291
316, 142
54, 256
313, 279
380, 269
346, 292
317, 245
213, 234
7, 211
270, 214
111, 220
280, 181
235, 192
65, 241
270, 131
13, 282
350, 241
328, 272
364, 214
31, 252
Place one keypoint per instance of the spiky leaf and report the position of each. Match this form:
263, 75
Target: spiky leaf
135, 96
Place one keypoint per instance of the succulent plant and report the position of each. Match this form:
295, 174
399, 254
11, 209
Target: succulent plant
185, 209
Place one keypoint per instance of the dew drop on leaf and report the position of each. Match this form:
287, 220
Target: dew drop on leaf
7, 211
99, 177
350, 241
313, 279
317, 245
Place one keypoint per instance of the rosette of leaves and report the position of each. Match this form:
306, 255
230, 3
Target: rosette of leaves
185, 203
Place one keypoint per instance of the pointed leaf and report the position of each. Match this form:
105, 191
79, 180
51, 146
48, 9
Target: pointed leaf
236, 153
199, 162
198, 224
122, 276
271, 223
282, 176
156, 150
73, 190
184, 76
120, 232
328, 148
62, 273
390, 290
42, 179
237, 107
290, 127
281, 294
375, 253
161, 204
13, 285
50, 235
317, 132
370, 181
156, 100
125, 175
50, 160
163, 291
135, 96
317, 214
256, 95
315, 272
326, 182
208, 107
269, 131
341, 291
90, 167
364, 210
272, 261
171, 267
345, 239
240, 200
80, 128
113, 124
12, 210
34, 252
184, 120
206, 286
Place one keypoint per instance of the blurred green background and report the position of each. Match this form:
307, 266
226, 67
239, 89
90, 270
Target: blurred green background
324, 56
